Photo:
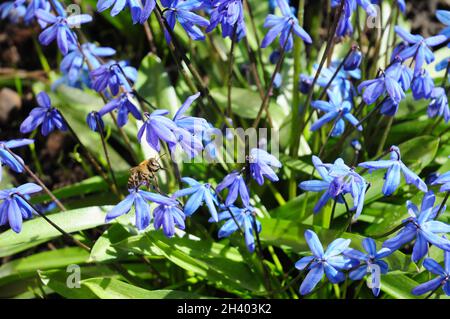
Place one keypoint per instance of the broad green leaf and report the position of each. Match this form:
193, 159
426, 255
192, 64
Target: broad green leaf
398, 286
108, 288
37, 230
220, 264
28, 266
103, 249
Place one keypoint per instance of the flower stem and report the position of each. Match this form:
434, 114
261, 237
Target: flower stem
395, 229
37, 179
441, 207
230, 70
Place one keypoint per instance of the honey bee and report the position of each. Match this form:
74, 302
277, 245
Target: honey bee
144, 174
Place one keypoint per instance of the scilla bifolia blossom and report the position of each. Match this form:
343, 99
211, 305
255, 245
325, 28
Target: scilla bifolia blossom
443, 180
419, 48
422, 227
140, 9
386, 82
284, 26
439, 104
236, 187
443, 279
422, 85
14, 209
46, 115
12, 10
242, 219
335, 110
113, 75
331, 262
230, 15
395, 168
14, 162
261, 165
140, 200
369, 260
337, 180
168, 216
199, 193
124, 104
60, 29
444, 17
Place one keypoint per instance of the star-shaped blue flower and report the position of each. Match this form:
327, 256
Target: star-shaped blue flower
237, 187
443, 279
331, 262
261, 165
395, 168
14, 162
422, 227
124, 104
168, 216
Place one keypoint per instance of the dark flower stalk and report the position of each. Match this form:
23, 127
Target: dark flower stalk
37, 179
230, 69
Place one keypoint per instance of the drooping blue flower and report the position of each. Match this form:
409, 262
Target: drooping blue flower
338, 82
353, 61
401, 72
261, 165
12, 10
194, 125
46, 115
60, 29
335, 110
304, 83
242, 219
12, 161
139, 199
443, 180
14, 209
345, 26
368, 261
439, 104
113, 75
285, 26
158, 127
124, 104
168, 217
444, 17
389, 107
331, 262
337, 180
182, 11
419, 48
230, 15
386, 82
31, 9
422, 85
443, 279
236, 186
93, 120
423, 227
395, 168
140, 9
73, 64
199, 194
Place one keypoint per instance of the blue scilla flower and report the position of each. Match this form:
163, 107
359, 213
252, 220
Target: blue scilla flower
443, 180
113, 75
331, 262
439, 104
345, 26
419, 48
353, 61
369, 260
181, 11
73, 64
93, 120
262, 164
12, 161
124, 104
158, 127
60, 29
236, 186
242, 219
190, 144
140, 10
304, 83
422, 85
337, 180
422, 227
46, 115
332, 78
31, 9
444, 17
194, 125
199, 193
443, 279
168, 216
389, 107
140, 200
336, 110
401, 73
386, 82
14, 209
284, 26
230, 15
12, 10
395, 168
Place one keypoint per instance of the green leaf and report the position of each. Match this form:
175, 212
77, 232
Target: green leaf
37, 230
27, 266
108, 288
103, 249
398, 286
220, 264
